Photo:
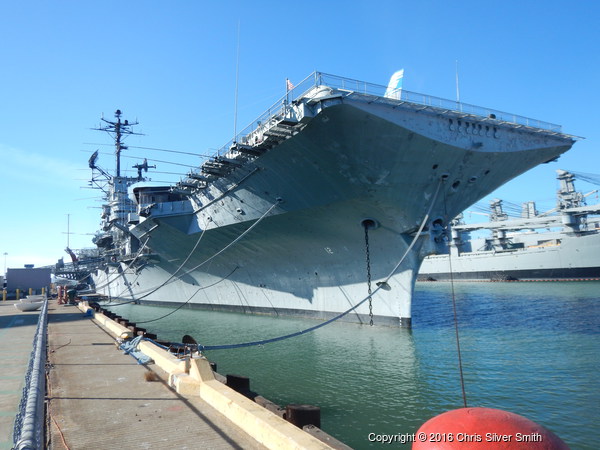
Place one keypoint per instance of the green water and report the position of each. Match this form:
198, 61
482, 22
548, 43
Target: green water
529, 348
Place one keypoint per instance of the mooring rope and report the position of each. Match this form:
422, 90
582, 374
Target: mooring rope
205, 261
122, 273
278, 201
460, 365
168, 280
189, 299
339, 316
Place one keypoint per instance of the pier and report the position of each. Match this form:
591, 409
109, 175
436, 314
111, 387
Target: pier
16, 336
99, 397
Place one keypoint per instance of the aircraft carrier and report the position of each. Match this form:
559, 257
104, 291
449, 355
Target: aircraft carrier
324, 206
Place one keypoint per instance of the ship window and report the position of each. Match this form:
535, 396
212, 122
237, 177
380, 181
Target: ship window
455, 184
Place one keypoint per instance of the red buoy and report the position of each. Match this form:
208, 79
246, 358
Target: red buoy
468, 428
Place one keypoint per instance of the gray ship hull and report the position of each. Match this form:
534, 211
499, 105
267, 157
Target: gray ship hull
346, 158
575, 258
562, 243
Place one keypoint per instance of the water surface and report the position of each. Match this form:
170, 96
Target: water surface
529, 348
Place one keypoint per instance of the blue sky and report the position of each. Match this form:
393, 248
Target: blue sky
172, 66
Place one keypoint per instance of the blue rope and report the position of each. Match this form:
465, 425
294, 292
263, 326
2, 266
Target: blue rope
155, 343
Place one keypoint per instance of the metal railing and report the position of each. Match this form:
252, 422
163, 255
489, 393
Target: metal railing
29, 424
362, 87
278, 109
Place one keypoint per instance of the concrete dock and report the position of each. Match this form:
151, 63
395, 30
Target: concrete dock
99, 397
17, 330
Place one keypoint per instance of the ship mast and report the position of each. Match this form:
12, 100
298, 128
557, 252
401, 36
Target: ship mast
118, 130
116, 239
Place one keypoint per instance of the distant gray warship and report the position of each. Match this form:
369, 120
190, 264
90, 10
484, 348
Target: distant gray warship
329, 200
560, 244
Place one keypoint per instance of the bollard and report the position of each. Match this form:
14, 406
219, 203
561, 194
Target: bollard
30, 291
3, 295
43, 291
301, 415
18, 294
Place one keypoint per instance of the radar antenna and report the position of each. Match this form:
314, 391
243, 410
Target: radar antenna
144, 166
118, 130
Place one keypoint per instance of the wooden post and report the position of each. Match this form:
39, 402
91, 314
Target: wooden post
238, 383
301, 415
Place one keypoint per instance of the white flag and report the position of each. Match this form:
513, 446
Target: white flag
394, 89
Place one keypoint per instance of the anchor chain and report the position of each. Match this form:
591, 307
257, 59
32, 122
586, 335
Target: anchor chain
368, 253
